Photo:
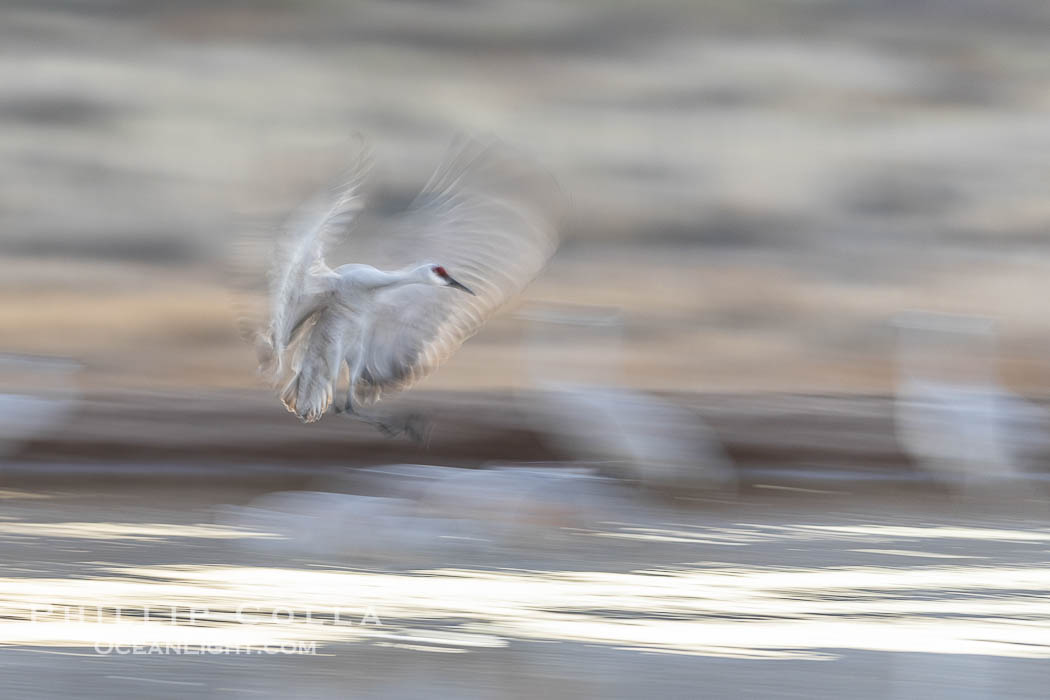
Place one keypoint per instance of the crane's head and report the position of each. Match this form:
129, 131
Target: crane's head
440, 277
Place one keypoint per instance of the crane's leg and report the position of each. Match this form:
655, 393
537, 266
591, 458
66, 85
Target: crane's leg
411, 425
354, 365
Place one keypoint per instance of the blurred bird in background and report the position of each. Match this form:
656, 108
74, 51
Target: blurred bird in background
481, 229
593, 418
405, 515
40, 394
952, 414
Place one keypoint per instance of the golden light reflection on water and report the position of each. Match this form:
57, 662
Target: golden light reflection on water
14, 494
737, 611
127, 531
750, 534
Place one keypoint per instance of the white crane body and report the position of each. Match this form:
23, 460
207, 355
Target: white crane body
485, 225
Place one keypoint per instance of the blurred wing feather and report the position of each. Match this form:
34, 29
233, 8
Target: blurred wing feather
490, 218
300, 275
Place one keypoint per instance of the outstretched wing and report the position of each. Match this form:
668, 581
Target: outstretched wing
299, 275
490, 217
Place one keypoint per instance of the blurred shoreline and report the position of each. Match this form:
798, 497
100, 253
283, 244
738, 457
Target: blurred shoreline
803, 437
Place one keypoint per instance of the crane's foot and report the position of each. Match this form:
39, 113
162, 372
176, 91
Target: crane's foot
417, 429
413, 425
347, 409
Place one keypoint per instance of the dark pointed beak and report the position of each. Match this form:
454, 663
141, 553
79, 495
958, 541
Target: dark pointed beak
461, 287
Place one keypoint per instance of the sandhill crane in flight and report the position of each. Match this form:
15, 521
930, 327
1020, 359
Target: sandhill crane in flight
481, 229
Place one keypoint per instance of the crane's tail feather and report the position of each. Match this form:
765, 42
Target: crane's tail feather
307, 397
315, 366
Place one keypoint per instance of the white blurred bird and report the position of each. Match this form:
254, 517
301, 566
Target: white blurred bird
421, 515
627, 433
636, 435
42, 398
481, 229
951, 413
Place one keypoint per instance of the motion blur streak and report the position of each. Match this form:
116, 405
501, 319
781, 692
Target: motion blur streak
713, 609
770, 422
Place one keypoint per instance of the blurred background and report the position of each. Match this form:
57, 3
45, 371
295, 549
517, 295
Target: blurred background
800, 300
